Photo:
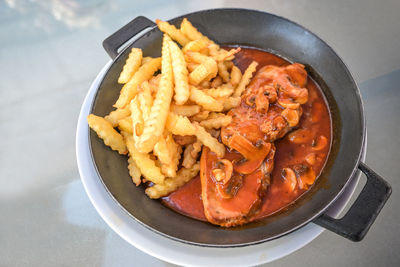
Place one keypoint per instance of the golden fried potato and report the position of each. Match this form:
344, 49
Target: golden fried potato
192, 33
230, 103
154, 126
125, 125
205, 71
217, 122
204, 100
223, 71
184, 140
130, 89
131, 66
171, 184
146, 165
202, 115
216, 82
146, 59
248, 74
190, 154
137, 118
134, 171
169, 154
105, 131
180, 72
117, 115
222, 91
195, 46
226, 55
185, 110
204, 137
236, 76
179, 125
173, 32
145, 99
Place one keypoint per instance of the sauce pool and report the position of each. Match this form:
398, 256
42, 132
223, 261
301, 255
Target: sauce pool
315, 120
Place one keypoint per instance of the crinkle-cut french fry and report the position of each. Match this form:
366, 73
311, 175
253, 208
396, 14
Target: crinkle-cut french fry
222, 91
145, 99
184, 139
131, 66
205, 84
216, 82
195, 57
172, 31
190, 154
228, 64
185, 110
213, 49
154, 126
245, 78
205, 71
179, 125
146, 59
180, 72
137, 118
236, 76
217, 122
175, 151
125, 125
117, 115
134, 171
192, 66
171, 184
192, 33
204, 100
231, 102
129, 90
223, 72
226, 55
145, 163
214, 115
105, 131
202, 115
195, 46
204, 137
154, 82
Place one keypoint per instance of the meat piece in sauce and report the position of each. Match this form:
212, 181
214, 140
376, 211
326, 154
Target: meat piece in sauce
233, 187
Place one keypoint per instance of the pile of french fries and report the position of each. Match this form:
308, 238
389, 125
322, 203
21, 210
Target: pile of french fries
160, 118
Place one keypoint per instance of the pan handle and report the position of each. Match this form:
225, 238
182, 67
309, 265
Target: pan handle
356, 222
112, 43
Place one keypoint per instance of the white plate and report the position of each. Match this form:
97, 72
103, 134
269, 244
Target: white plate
173, 251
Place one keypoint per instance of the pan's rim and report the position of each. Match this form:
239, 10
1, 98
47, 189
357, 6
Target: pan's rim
300, 225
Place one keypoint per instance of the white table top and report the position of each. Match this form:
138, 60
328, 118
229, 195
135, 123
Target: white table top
50, 51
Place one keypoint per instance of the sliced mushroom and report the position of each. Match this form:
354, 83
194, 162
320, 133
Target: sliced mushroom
305, 175
262, 102
310, 158
289, 177
320, 143
248, 166
288, 103
291, 116
224, 173
270, 91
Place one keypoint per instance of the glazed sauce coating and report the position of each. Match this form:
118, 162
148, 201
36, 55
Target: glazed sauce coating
303, 150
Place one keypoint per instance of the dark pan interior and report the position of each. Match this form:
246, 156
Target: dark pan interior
274, 34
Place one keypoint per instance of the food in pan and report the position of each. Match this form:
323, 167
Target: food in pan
227, 135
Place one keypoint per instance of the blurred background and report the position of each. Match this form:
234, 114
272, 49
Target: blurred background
50, 52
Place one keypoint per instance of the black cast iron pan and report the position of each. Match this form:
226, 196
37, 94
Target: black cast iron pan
295, 43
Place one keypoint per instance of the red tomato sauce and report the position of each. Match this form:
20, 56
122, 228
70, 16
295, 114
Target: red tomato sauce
314, 123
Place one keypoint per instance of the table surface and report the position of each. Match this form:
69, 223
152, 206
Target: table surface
50, 52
